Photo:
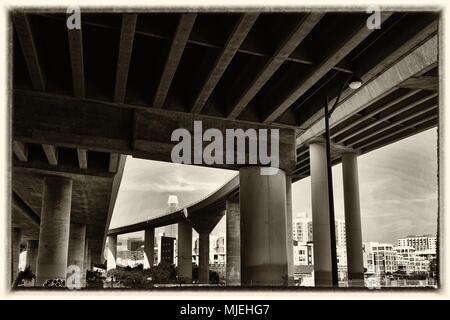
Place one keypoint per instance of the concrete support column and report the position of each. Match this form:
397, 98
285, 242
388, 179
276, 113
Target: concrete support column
75, 258
233, 227
16, 237
112, 253
54, 229
149, 247
263, 227
289, 236
184, 244
32, 254
320, 215
203, 257
86, 263
355, 265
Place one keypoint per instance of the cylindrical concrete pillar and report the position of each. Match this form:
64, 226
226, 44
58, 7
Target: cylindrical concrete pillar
184, 251
289, 236
86, 263
203, 258
149, 247
233, 229
355, 264
112, 253
16, 237
32, 254
75, 258
320, 215
54, 229
263, 227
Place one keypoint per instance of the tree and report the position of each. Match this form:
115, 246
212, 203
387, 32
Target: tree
26, 274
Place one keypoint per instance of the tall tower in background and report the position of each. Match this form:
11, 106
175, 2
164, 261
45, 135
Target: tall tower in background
171, 230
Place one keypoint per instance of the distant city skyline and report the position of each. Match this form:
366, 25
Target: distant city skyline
394, 203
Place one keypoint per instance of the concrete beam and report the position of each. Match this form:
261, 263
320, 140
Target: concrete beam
327, 63
51, 152
421, 58
294, 38
26, 39
26, 211
179, 41
66, 170
385, 118
113, 162
123, 61
82, 158
76, 61
392, 124
100, 126
372, 114
234, 41
400, 42
20, 149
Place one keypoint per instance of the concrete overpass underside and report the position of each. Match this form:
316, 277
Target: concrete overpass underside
84, 98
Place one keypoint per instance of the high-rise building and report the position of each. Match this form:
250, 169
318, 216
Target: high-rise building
379, 258
340, 233
302, 228
419, 243
167, 249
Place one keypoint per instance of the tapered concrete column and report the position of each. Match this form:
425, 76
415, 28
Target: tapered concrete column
149, 247
184, 244
32, 254
320, 215
289, 239
233, 226
263, 227
75, 258
355, 265
16, 236
112, 253
203, 258
54, 229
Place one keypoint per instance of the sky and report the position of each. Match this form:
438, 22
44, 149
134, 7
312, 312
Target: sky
398, 189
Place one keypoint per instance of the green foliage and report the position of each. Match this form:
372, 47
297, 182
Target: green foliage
94, 279
26, 274
418, 276
138, 278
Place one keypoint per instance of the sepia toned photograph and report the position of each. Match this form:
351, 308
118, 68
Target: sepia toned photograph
223, 149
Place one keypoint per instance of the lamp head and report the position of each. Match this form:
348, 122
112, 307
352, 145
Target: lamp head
355, 83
